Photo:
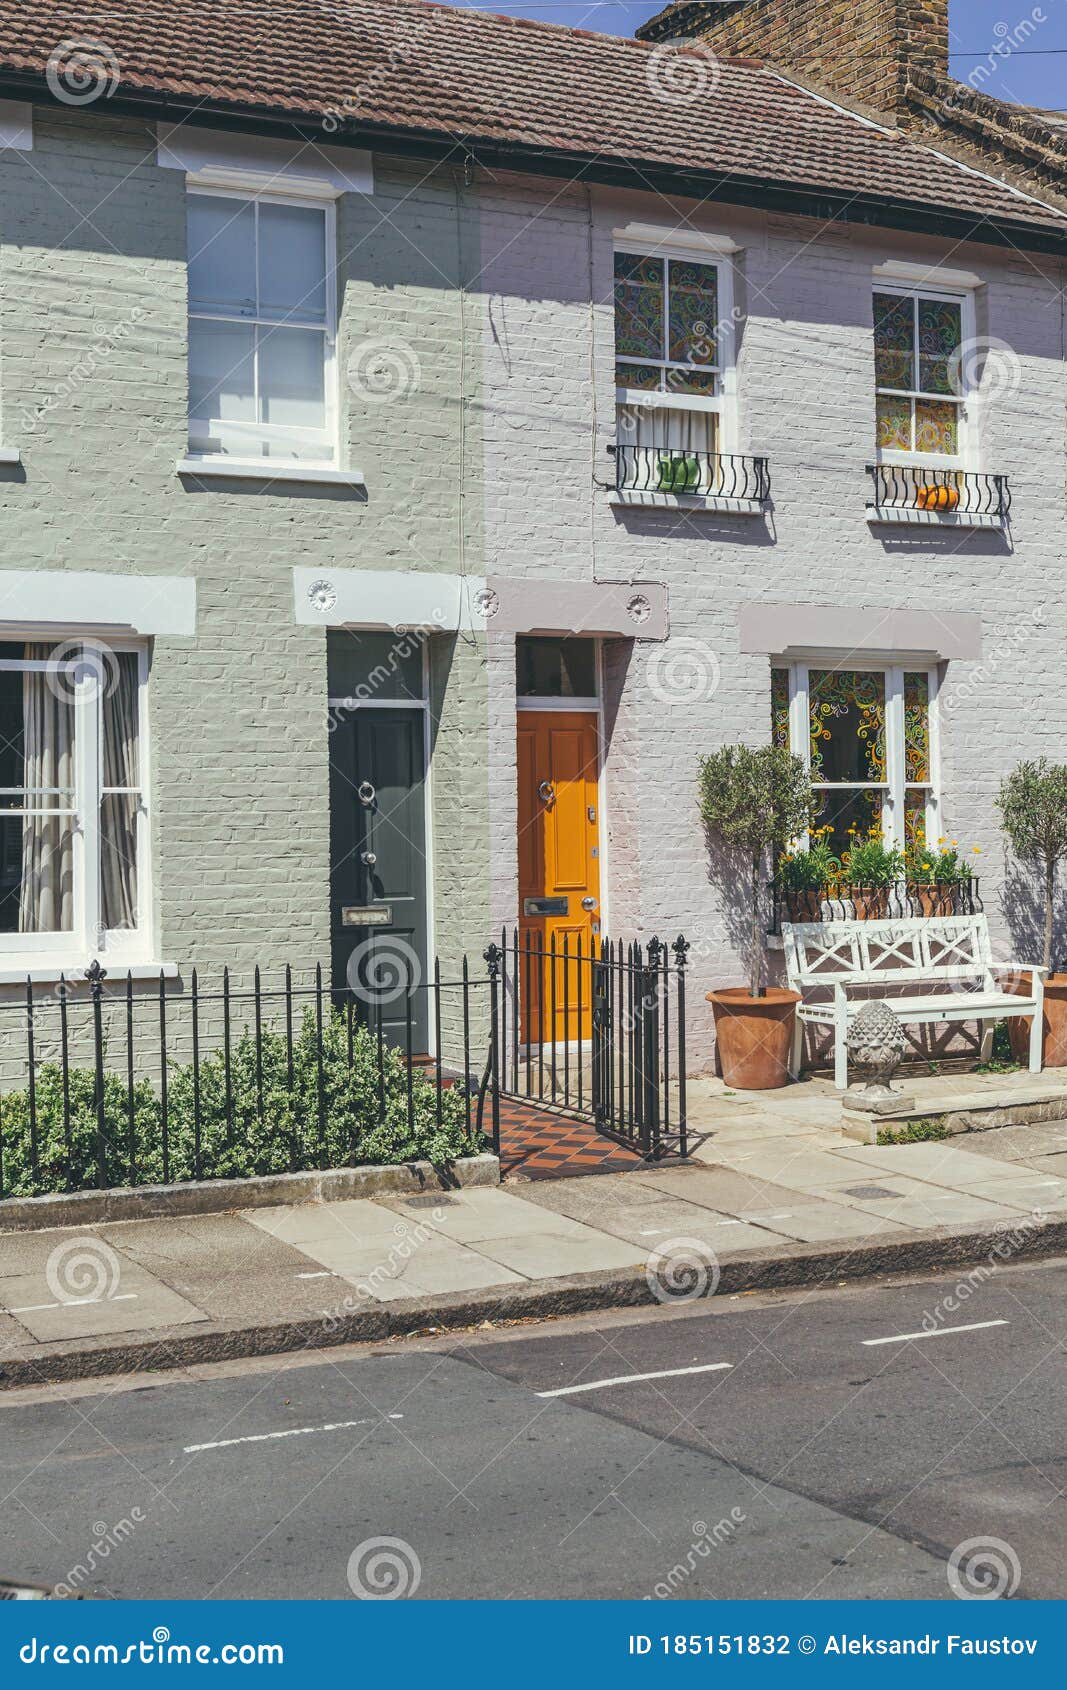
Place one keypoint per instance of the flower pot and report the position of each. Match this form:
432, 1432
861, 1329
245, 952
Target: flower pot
871, 903
804, 905
1055, 1021
753, 1036
935, 900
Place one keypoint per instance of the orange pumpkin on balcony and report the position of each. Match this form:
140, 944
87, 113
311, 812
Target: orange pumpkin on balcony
937, 498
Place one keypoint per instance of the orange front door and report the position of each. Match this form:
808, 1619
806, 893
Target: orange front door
559, 870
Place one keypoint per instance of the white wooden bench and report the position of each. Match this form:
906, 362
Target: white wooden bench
947, 961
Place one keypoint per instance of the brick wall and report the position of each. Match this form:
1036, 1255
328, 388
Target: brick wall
862, 49
93, 231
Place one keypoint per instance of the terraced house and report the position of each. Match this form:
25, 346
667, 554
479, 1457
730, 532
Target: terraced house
425, 433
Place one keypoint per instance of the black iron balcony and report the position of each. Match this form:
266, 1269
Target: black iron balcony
938, 492
660, 472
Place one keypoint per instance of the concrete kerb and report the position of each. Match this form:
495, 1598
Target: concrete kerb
777, 1268
962, 1117
212, 1197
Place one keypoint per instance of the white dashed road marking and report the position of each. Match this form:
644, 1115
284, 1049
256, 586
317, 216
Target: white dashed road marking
294, 1432
637, 1379
935, 1332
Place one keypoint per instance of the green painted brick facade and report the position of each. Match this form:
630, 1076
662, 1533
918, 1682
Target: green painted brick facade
93, 386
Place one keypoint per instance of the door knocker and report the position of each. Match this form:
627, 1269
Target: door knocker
546, 792
367, 794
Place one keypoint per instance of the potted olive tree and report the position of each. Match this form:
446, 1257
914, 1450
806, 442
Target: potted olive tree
1033, 805
754, 801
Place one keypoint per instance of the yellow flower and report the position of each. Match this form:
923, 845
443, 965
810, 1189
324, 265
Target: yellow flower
977, 849
941, 841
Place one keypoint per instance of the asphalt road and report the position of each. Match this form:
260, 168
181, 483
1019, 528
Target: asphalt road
802, 1460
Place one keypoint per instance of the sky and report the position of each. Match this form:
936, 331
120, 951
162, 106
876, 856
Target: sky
1027, 67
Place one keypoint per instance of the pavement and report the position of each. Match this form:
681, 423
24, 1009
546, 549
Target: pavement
774, 1194
864, 1442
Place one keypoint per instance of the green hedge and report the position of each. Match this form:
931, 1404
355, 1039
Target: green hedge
284, 1136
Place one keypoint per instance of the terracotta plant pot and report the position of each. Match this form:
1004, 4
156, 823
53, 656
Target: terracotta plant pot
1055, 1036
871, 903
753, 1036
935, 900
804, 905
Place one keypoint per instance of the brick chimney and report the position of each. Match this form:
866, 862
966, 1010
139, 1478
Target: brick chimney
861, 49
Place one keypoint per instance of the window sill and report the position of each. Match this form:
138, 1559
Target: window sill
889, 516
48, 973
689, 502
261, 469
10, 455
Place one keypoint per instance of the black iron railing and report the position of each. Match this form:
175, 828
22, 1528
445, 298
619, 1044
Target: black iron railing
847, 902
663, 472
108, 1082
942, 492
598, 1028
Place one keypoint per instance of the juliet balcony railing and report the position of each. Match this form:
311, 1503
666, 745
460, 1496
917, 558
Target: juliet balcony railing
941, 492
847, 902
663, 472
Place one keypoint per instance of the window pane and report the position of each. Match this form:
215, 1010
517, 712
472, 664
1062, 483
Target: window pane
894, 341
937, 426
915, 819
851, 815
894, 425
221, 372
638, 306
555, 668
780, 708
917, 727
646, 376
118, 860
704, 382
694, 313
847, 725
940, 337
36, 850
292, 263
222, 255
292, 383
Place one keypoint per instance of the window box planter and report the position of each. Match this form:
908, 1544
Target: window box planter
845, 902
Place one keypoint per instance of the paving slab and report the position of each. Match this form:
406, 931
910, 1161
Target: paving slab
136, 1302
731, 1191
225, 1266
1009, 1144
551, 1255
1056, 1164
820, 1223
1039, 1192
801, 1169
473, 1217
942, 1163
917, 1205
432, 1267
363, 1222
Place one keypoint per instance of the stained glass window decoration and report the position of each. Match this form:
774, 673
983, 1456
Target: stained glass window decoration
917, 342
666, 325
862, 775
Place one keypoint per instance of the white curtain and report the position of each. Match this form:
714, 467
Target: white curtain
674, 450
118, 810
46, 902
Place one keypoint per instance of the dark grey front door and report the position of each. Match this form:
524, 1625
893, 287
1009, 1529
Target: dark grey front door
378, 868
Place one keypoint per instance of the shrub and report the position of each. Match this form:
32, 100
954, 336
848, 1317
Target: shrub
754, 801
814, 870
871, 862
364, 1117
914, 1132
1033, 807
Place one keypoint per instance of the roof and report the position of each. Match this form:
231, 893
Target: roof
537, 91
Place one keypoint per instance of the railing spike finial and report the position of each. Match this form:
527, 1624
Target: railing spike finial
681, 949
95, 973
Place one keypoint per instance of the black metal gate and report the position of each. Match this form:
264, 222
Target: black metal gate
595, 1031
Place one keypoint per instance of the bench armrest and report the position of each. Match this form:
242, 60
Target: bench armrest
1035, 968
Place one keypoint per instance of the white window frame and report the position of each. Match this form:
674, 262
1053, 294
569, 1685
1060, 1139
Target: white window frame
718, 256
201, 429
966, 458
87, 939
895, 787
